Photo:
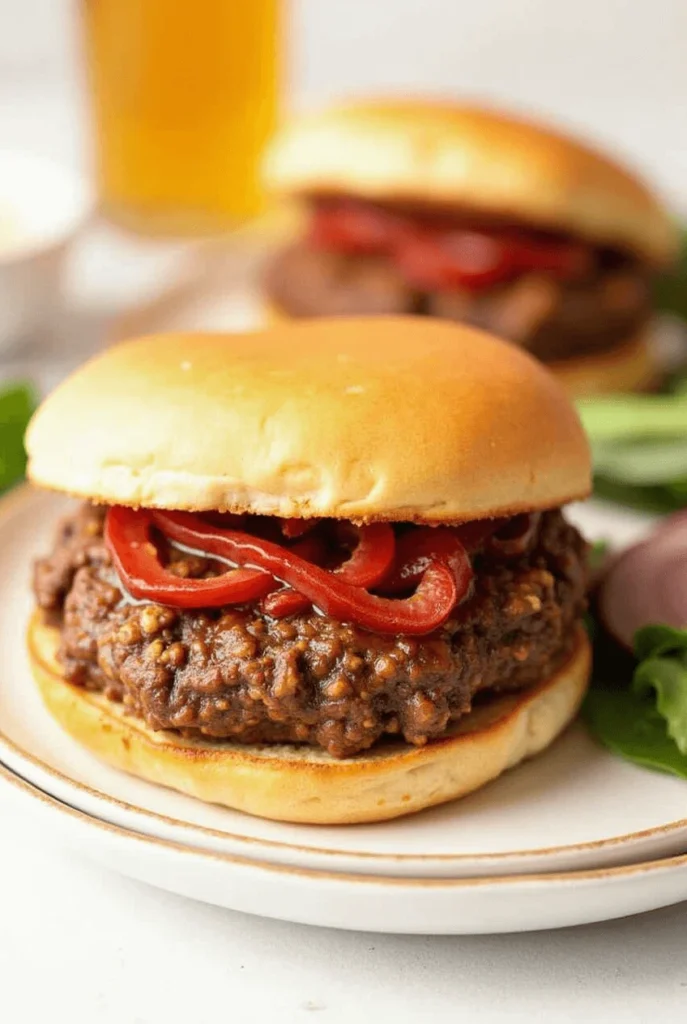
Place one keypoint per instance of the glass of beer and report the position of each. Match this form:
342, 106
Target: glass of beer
184, 97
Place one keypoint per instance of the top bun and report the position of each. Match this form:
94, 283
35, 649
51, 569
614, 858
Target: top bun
380, 418
444, 154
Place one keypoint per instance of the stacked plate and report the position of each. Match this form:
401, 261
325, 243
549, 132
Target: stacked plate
571, 837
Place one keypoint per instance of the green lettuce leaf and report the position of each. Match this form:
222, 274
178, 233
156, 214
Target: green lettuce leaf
17, 402
598, 553
670, 290
643, 463
645, 720
655, 640
661, 499
632, 417
633, 728
667, 677
663, 673
639, 448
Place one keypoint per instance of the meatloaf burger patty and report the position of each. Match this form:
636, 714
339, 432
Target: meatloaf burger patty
234, 673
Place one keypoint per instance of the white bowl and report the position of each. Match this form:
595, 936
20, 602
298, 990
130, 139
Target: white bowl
44, 207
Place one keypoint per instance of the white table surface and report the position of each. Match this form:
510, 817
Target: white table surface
80, 944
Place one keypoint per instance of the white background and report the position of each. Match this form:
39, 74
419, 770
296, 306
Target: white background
81, 945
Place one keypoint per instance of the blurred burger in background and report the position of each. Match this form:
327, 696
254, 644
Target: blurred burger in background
474, 216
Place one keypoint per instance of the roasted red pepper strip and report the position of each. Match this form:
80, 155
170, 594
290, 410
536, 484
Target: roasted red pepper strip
437, 253
135, 557
372, 556
453, 259
353, 227
417, 548
284, 602
444, 583
369, 563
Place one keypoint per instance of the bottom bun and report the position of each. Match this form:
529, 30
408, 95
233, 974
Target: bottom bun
304, 784
629, 366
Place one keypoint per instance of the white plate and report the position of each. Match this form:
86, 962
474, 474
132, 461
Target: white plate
421, 906
574, 807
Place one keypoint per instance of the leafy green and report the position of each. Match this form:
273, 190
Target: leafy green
597, 554
651, 641
670, 291
639, 447
17, 402
633, 729
627, 417
646, 499
678, 490
662, 672
646, 721
667, 677
645, 463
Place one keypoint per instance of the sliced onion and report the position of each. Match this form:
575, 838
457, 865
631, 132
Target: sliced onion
647, 583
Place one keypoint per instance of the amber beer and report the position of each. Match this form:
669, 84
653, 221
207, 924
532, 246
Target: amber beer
184, 96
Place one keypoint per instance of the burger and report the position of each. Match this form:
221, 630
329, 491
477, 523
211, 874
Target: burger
318, 574
463, 213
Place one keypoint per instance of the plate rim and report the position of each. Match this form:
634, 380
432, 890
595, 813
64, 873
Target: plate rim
23, 494
659, 865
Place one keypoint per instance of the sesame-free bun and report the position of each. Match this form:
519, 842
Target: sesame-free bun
362, 418
303, 784
473, 159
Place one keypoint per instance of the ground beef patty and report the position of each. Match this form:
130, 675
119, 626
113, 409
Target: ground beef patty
235, 674
552, 319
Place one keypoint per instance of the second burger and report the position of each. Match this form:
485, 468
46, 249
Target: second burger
472, 215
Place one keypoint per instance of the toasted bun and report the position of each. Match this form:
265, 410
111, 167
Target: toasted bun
290, 783
630, 366
444, 154
364, 419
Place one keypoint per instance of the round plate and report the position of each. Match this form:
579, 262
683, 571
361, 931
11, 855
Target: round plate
361, 902
573, 807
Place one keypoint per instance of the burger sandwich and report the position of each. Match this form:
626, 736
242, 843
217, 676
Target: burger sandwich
317, 574
471, 215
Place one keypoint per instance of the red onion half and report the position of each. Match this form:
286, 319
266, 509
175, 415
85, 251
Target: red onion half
647, 583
